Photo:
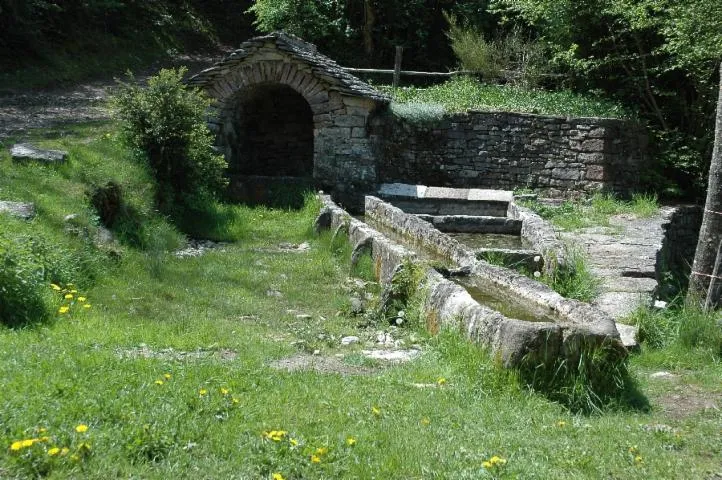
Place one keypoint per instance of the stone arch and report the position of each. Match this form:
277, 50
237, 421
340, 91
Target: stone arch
287, 69
269, 114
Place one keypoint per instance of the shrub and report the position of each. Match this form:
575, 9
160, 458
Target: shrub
166, 124
24, 295
512, 58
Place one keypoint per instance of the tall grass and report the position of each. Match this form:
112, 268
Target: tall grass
595, 211
684, 324
464, 93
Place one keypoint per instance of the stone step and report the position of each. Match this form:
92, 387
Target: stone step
421, 199
473, 224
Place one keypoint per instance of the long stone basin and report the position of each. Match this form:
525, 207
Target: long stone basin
567, 327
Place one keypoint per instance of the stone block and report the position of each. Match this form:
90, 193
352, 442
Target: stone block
350, 121
594, 172
592, 145
24, 152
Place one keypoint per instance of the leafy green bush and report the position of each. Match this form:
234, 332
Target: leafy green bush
166, 124
511, 58
475, 53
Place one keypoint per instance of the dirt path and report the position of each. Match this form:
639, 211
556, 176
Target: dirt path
21, 111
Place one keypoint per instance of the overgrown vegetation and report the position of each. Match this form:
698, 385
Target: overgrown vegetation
165, 123
594, 211
683, 325
464, 93
511, 58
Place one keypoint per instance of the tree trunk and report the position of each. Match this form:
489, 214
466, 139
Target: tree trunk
368, 28
710, 233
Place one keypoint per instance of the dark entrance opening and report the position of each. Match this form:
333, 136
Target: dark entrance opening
269, 144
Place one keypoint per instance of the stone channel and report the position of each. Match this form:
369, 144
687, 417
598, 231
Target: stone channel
537, 325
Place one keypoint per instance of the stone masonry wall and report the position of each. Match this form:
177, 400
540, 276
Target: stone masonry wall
674, 259
560, 156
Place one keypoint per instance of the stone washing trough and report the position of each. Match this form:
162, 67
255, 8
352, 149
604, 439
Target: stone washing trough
555, 328
487, 221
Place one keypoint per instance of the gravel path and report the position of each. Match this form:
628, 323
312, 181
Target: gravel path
21, 111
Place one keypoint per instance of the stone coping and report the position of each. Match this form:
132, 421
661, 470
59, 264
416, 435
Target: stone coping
406, 191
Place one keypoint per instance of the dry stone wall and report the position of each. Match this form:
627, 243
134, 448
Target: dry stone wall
561, 156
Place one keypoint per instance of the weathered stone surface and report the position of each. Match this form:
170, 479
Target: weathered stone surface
575, 325
24, 152
22, 210
629, 335
508, 150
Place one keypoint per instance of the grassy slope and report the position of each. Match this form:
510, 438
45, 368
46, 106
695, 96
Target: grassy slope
462, 93
74, 370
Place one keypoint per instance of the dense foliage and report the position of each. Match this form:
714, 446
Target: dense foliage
166, 124
76, 38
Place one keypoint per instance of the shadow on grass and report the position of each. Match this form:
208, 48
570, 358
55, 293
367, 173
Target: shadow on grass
599, 381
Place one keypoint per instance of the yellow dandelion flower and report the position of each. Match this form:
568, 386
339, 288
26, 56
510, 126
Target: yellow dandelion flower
496, 460
159, 382
82, 299
64, 451
16, 446
43, 439
42, 429
321, 451
53, 451
638, 459
82, 428
376, 411
561, 424
315, 459
293, 442
68, 296
225, 391
277, 476
425, 421
63, 309
28, 443
55, 287
167, 376
87, 305
236, 400
441, 381
486, 464
202, 392
350, 441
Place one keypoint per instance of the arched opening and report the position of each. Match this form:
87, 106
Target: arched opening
269, 133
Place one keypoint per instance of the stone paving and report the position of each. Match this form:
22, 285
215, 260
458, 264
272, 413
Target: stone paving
624, 257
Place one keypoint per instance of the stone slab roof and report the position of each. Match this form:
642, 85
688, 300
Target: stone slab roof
322, 67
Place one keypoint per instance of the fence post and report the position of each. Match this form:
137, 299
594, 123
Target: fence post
397, 66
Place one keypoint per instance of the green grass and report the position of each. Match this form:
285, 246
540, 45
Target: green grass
594, 211
462, 93
211, 325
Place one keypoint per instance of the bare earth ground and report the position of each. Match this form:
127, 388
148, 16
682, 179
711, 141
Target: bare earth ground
21, 111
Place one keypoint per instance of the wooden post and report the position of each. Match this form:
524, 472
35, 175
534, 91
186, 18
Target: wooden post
397, 66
